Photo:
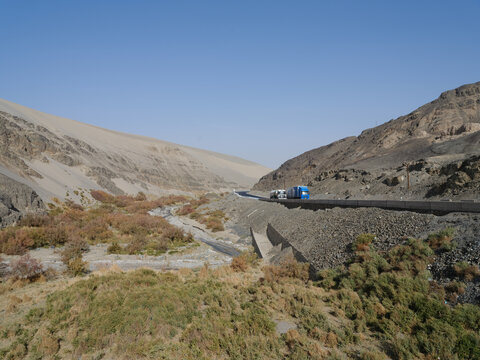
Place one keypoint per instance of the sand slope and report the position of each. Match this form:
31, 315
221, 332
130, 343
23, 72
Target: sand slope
55, 155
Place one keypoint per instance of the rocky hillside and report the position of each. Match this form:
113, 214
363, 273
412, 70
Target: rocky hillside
17, 199
59, 156
435, 140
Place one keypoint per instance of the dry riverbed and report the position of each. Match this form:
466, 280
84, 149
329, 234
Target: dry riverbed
216, 249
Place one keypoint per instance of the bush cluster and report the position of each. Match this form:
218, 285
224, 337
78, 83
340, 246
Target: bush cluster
27, 268
288, 268
466, 271
391, 295
442, 240
117, 219
242, 262
213, 220
72, 256
363, 241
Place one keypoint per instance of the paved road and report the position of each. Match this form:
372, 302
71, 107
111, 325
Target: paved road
246, 195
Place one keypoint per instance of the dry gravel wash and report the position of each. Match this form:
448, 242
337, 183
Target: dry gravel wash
325, 236
215, 249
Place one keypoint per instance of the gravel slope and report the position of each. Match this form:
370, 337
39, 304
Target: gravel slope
325, 236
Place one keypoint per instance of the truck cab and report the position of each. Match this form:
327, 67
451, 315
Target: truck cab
298, 192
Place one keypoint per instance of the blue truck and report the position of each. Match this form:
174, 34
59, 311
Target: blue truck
298, 192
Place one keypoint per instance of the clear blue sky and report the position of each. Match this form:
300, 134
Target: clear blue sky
238, 77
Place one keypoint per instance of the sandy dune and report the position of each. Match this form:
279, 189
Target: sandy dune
55, 155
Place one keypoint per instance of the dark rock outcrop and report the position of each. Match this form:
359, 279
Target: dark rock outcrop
17, 200
442, 131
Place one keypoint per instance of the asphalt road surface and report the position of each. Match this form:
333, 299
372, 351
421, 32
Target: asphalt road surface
245, 194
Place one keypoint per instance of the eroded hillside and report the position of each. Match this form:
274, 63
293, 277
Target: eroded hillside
56, 155
444, 132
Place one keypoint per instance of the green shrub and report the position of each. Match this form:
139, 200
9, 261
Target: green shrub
363, 241
72, 256
76, 266
114, 248
466, 271
442, 240
391, 294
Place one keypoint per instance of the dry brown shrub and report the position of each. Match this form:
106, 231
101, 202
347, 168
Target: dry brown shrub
318, 334
50, 273
331, 340
19, 351
442, 239
15, 241
466, 271
362, 242
72, 256
185, 272
115, 248
185, 210
140, 196
101, 196
77, 267
48, 345
379, 308
292, 338
32, 220
73, 249
375, 355
139, 223
204, 271
136, 245
13, 303
453, 290
215, 225
72, 205
239, 263
96, 230
26, 267
288, 268
243, 261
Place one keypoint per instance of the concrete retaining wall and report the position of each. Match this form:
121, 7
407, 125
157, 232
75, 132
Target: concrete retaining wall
277, 239
255, 245
435, 207
274, 238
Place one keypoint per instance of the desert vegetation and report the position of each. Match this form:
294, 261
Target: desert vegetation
380, 305
212, 219
392, 295
122, 221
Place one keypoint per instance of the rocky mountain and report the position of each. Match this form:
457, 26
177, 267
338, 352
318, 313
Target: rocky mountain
17, 199
435, 140
58, 156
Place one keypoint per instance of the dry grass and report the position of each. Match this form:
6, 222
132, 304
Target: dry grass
379, 307
289, 268
244, 261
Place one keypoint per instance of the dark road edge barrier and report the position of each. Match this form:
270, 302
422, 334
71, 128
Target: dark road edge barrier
434, 207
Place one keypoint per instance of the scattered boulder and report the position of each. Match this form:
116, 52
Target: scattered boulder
394, 181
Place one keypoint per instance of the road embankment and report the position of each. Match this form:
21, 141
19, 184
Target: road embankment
421, 206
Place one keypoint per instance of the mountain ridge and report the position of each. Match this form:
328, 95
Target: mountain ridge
444, 130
